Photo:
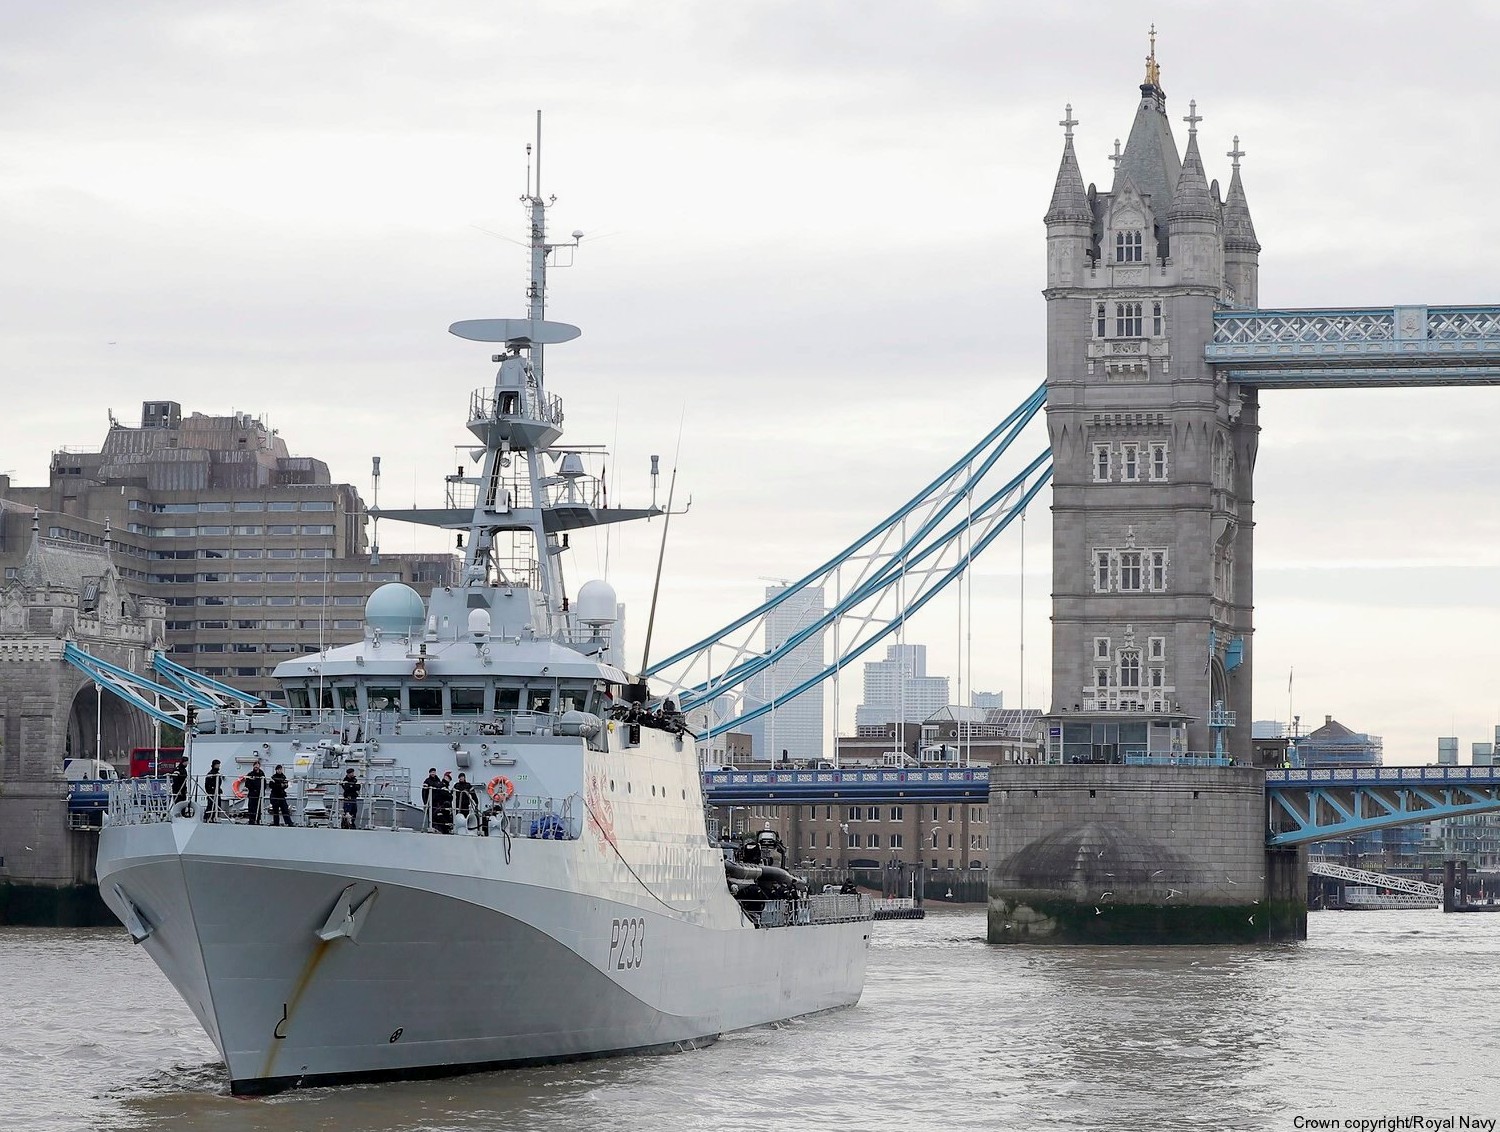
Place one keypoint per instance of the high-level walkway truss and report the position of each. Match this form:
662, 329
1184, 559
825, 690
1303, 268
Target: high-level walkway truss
876, 583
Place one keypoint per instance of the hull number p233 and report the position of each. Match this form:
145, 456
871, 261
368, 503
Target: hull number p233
627, 944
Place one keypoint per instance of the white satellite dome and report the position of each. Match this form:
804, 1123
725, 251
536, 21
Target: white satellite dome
395, 608
597, 603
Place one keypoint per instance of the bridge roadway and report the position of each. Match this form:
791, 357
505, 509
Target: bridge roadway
1302, 805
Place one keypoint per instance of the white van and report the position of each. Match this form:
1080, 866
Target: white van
81, 770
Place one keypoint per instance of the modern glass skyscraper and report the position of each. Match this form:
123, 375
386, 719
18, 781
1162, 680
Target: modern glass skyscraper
794, 725
898, 689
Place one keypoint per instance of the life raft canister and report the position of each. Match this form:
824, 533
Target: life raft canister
501, 789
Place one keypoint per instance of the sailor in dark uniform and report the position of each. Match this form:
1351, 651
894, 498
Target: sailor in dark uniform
277, 783
349, 788
179, 782
213, 790
255, 783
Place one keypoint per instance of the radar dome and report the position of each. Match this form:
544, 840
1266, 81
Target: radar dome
395, 608
596, 604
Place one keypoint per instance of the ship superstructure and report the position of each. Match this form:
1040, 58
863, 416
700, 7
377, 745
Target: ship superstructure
521, 871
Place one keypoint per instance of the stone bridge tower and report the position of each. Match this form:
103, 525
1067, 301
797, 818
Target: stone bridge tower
50, 712
1153, 454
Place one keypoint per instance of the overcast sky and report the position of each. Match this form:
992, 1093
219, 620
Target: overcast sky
814, 239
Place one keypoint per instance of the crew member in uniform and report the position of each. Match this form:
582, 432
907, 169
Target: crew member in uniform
277, 783
213, 790
349, 788
179, 782
464, 799
255, 782
429, 784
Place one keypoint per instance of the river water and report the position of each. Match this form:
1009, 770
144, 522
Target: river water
1378, 1014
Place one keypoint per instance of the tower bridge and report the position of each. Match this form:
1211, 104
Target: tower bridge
1157, 355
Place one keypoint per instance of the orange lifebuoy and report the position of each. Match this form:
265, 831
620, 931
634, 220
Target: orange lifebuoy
239, 787
501, 788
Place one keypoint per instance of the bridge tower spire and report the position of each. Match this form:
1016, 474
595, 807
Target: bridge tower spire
1153, 454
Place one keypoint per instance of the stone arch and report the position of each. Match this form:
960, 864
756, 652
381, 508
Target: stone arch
104, 723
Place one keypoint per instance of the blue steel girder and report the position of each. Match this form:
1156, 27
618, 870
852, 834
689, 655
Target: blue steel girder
1317, 805
1358, 347
133, 688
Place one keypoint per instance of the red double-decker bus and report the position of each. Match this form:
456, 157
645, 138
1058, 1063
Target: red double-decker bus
149, 762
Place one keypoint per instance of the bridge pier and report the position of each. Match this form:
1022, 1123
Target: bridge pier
1138, 854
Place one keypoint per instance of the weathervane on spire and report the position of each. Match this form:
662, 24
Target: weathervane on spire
1192, 117
1153, 71
1068, 121
1236, 153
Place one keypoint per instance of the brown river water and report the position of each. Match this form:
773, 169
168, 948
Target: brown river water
1378, 1017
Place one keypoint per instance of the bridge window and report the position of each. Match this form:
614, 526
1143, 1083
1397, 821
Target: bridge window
1156, 320
896, 813
1101, 648
874, 841
1130, 466
1099, 320
1128, 247
854, 841
852, 813
1101, 678
1159, 570
1158, 461
1130, 669
1102, 463
1130, 571
1157, 678
898, 841
1156, 647
1101, 571
1127, 320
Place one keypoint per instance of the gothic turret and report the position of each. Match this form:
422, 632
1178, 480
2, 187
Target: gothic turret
1069, 218
1241, 248
1149, 162
1193, 219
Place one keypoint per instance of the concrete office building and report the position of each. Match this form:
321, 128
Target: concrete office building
256, 554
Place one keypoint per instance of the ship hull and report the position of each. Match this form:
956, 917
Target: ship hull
450, 959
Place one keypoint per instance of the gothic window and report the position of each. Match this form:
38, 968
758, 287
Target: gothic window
1130, 464
1156, 678
1157, 648
1127, 320
1130, 570
1158, 570
1158, 461
1128, 247
1099, 320
1156, 320
1101, 678
1220, 462
1102, 463
1130, 668
1101, 648
1101, 571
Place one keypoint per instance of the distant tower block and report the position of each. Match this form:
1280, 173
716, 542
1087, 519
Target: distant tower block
1151, 615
